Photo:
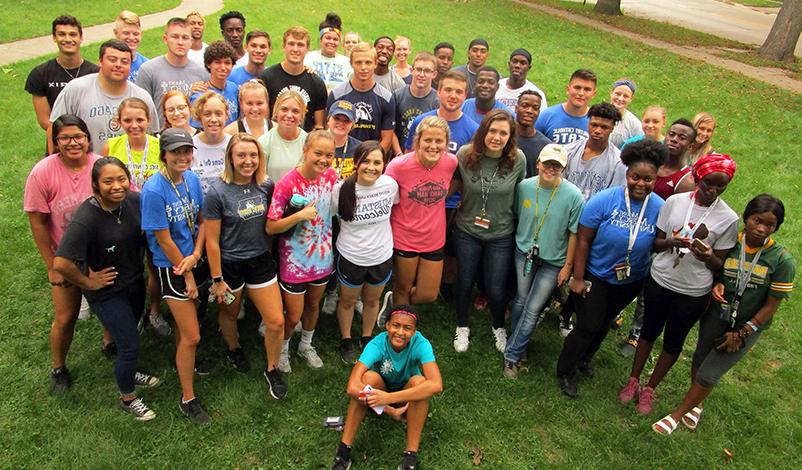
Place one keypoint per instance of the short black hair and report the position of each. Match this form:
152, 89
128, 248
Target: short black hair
66, 120
233, 14
376, 41
766, 203
218, 50
487, 68
66, 20
686, 123
406, 309
604, 110
646, 151
115, 44
530, 92
443, 45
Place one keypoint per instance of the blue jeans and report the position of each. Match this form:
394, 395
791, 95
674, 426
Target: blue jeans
495, 257
120, 315
534, 290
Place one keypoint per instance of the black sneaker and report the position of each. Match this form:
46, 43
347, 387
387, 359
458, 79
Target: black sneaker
363, 341
194, 411
109, 350
568, 386
139, 409
341, 463
202, 367
384, 311
239, 361
587, 369
275, 384
347, 353
409, 461
60, 380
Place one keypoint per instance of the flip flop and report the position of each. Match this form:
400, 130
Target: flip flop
691, 418
660, 427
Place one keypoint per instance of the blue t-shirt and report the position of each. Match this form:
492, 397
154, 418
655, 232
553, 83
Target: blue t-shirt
230, 93
135, 64
469, 109
462, 131
162, 209
606, 212
561, 127
240, 75
396, 368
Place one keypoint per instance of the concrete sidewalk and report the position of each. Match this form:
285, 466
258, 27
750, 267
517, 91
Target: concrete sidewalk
44, 45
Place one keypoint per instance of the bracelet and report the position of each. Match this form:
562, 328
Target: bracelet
752, 325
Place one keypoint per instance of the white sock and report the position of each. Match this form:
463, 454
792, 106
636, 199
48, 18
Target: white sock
285, 346
306, 339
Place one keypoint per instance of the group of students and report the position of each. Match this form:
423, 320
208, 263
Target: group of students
283, 201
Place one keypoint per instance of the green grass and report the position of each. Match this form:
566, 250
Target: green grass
516, 424
760, 3
29, 18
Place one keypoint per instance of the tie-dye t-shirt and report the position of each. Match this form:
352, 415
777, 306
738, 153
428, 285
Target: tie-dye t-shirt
305, 250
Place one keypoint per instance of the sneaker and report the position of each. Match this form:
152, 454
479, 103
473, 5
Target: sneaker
109, 350
60, 380
284, 362
409, 461
142, 379
501, 339
194, 411
566, 326
341, 463
630, 391
139, 409
312, 359
159, 324
480, 302
645, 399
569, 386
239, 361
363, 341
347, 353
262, 328
384, 311
140, 325
587, 369
510, 370
298, 328
617, 321
358, 306
241, 313
202, 367
85, 312
629, 347
330, 303
462, 337
275, 384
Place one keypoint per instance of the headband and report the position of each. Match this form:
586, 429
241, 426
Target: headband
404, 312
329, 29
629, 83
712, 163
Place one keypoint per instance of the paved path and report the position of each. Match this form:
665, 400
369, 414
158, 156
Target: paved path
716, 17
44, 45
776, 77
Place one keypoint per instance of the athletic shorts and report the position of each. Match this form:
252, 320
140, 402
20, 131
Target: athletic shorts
351, 275
173, 286
436, 255
301, 287
254, 273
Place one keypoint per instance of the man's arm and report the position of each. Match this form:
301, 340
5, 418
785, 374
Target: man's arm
42, 109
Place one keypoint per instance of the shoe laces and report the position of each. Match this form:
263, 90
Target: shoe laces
138, 406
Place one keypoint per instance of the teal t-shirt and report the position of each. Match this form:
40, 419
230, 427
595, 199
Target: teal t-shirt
396, 368
561, 218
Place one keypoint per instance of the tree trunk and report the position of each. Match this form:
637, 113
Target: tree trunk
608, 7
784, 34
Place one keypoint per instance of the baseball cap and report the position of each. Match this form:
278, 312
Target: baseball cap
175, 137
343, 108
555, 153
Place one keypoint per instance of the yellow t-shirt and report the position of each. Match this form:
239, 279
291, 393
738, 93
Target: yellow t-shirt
140, 170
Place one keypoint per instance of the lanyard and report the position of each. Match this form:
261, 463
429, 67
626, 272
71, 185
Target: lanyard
139, 178
189, 216
486, 189
545, 212
701, 219
633, 231
743, 277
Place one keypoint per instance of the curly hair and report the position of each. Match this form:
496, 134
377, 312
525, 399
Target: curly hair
216, 51
604, 110
644, 151
233, 14
478, 147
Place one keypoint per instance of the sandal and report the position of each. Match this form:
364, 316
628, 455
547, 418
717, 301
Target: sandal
660, 427
691, 418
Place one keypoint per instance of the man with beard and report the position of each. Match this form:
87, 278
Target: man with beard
444, 52
509, 89
197, 24
568, 122
257, 44
530, 140
478, 50
384, 74
232, 27
484, 90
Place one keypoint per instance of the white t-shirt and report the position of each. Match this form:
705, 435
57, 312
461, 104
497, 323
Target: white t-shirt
333, 70
629, 126
510, 97
368, 239
282, 155
197, 56
691, 277
208, 161
243, 61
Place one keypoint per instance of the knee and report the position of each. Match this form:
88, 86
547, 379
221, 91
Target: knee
425, 297
707, 378
347, 304
370, 304
64, 323
275, 324
415, 380
190, 339
373, 379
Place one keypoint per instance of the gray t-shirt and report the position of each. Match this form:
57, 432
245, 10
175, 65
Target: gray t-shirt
691, 276
628, 127
408, 107
390, 80
242, 212
157, 77
600, 172
84, 98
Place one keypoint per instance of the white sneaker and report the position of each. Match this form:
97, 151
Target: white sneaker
310, 354
358, 306
262, 328
137, 408
462, 338
501, 339
330, 303
159, 324
284, 362
298, 328
241, 313
84, 313
566, 327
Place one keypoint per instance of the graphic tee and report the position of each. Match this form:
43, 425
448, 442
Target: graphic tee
408, 107
374, 109
208, 161
49, 78
158, 76
310, 86
561, 127
600, 172
510, 96
141, 166
333, 70
242, 212
396, 368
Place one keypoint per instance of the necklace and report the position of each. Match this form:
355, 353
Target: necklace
77, 72
118, 217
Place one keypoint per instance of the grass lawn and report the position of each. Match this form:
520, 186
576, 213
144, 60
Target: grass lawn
761, 3
514, 424
28, 18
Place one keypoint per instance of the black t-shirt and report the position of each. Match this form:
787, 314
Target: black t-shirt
49, 79
531, 147
95, 240
310, 86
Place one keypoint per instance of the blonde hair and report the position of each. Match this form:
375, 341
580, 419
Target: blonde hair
402, 38
135, 103
260, 176
253, 84
314, 136
697, 151
196, 13
297, 32
429, 123
361, 48
200, 103
290, 95
127, 17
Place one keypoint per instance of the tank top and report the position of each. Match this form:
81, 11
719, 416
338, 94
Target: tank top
665, 186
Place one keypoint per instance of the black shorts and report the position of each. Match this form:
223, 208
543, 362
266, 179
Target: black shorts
173, 286
301, 287
351, 275
254, 273
436, 255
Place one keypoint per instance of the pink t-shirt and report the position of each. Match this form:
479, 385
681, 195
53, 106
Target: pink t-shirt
305, 250
419, 219
53, 189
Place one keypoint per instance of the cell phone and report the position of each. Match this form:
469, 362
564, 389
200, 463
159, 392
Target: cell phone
588, 285
334, 422
699, 245
228, 298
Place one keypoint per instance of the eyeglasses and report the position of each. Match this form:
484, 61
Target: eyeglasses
422, 71
180, 108
551, 165
65, 139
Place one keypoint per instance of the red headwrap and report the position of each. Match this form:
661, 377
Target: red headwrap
713, 163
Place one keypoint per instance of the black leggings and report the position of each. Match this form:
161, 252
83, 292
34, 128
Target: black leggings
670, 313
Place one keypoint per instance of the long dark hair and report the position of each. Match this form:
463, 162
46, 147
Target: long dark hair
346, 204
478, 147
766, 203
66, 120
97, 169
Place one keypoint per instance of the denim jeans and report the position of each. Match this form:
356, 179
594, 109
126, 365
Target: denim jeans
534, 291
495, 256
120, 315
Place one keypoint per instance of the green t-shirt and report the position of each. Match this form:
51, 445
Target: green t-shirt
500, 199
561, 218
773, 275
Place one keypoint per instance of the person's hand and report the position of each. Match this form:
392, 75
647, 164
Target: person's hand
378, 398
718, 293
309, 212
310, 70
564, 275
219, 290
732, 342
397, 412
102, 278
192, 288
199, 87
577, 286
55, 279
678, 242
702, 254
185, 265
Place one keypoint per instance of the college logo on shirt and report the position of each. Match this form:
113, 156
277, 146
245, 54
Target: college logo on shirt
250, 208
428, 193
386, 367
364, 111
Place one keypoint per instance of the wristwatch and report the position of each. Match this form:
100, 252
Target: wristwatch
217, 279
